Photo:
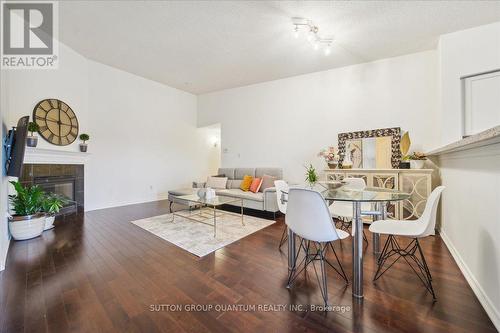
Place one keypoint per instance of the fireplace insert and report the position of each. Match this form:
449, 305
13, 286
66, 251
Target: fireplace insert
62, 185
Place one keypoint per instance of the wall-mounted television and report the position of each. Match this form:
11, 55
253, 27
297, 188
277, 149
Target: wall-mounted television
15, 144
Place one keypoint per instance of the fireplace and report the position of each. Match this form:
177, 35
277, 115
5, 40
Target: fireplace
63, 179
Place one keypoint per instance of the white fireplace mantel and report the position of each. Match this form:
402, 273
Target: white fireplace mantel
54, 156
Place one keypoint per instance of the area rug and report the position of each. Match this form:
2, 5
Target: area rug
198, 238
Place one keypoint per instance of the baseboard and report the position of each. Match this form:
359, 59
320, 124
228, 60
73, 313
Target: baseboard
485, 301
126, 203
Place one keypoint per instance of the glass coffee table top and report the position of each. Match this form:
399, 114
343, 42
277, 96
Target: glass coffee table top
369, 194
214, 201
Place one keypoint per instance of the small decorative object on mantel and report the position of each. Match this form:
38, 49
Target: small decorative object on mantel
32, 139
51, 205
330, 156
311, 176
83, 146
417, 160
29, 220
405, 148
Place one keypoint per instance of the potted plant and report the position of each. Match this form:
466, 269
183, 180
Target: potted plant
330, 156
28, 220
83, 146
404, 147
51, 205
417, 160
311, 176
32, 140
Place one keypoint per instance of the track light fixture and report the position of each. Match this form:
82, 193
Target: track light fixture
313, 36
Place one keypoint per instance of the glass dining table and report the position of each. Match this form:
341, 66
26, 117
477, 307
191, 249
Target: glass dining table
379, 197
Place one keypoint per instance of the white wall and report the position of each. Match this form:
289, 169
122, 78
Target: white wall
285, 123
471, 220
4, 234
470, 205
463, 53
144, 139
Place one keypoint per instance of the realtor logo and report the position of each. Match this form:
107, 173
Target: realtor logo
28, 35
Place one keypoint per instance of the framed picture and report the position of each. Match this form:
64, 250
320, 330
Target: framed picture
371, 149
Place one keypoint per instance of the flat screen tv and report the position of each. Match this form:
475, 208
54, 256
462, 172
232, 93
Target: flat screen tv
15, 146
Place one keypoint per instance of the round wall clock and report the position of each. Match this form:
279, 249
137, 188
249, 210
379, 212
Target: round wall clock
57, 121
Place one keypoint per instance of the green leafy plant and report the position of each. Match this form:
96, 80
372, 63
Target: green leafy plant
52, 203
404, 146
33, 127
418, 156
84, 137
311, 176
28, 199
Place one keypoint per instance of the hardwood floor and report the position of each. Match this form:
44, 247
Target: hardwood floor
99, 272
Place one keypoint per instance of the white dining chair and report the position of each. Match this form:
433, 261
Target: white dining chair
309, 218
281, 197
416, 229
343, 210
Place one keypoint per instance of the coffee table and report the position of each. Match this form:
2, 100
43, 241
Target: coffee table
201, 216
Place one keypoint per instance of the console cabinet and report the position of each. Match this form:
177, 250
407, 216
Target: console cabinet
416, 182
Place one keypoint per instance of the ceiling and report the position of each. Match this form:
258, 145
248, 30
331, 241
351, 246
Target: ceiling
204, 46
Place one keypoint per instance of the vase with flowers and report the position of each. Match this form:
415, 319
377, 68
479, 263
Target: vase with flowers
330, 156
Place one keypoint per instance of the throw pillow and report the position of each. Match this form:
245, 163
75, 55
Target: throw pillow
245, 184
256, 182
267, 182
217, 182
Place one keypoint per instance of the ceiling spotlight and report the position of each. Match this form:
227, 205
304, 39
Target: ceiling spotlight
300, 21
313, 36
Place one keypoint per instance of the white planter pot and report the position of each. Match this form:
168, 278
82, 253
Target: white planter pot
27, 227
49, 222
417, 164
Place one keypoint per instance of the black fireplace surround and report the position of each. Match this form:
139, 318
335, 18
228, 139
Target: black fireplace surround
63, 179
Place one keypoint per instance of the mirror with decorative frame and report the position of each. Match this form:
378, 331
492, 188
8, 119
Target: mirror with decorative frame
371, 149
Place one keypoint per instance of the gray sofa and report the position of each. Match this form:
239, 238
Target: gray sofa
264, 201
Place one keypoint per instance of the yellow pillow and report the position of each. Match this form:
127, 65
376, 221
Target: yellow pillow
246, 183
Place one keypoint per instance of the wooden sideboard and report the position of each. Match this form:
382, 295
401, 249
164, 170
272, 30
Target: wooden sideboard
416, 182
